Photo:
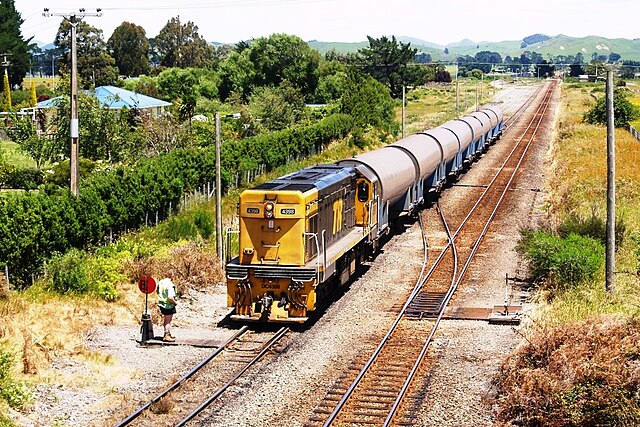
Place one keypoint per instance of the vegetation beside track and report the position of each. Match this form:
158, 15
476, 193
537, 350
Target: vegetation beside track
578, 364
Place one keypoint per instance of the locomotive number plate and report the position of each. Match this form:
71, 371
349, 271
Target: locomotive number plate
253, 210
288, 211
270, 286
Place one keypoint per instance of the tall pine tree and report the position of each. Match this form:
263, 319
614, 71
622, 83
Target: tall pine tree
12, 43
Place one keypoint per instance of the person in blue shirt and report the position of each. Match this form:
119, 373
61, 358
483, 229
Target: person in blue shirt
167, 303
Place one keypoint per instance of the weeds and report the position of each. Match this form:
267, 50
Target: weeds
561, 262
579, 374
12, 392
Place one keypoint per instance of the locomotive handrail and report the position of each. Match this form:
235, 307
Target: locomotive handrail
324, 255
228, 245
315, 237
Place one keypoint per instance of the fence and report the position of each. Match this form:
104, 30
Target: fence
634, 132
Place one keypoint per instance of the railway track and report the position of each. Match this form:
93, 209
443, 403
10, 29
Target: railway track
194, 392
382, 392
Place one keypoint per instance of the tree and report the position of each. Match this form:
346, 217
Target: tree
277, 107
623, 110
237, 75
12, 43
576, 70
130, 47
95, 66
614, 57
332, 78
544, 69
281, 57
386, 61
368, 101
33, 100
180, 45
486, 59
442, 75
6, 93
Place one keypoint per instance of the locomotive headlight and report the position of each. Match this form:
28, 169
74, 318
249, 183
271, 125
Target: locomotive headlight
268, 210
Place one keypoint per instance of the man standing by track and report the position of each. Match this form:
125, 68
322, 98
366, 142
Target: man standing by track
167, 303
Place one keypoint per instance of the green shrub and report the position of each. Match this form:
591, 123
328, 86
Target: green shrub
34, 226
203, 220
104, 274
13, 393
181, 227
562, 262
21, 178
69, 273
592, 226
623, 110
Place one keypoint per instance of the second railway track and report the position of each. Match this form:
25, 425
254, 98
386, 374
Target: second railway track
192, 394
380, 393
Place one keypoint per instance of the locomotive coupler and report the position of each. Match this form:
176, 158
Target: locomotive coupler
267, 301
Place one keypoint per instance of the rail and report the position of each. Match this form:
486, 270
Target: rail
177, 384
238, 374
499, 188
263, 349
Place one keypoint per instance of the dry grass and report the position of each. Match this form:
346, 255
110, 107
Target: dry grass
581, 374
432, 105
42, 327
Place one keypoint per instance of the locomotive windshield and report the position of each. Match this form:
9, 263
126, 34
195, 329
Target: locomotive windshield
363, 191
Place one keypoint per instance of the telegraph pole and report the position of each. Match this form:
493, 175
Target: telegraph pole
218, 192
611, 190
74, 18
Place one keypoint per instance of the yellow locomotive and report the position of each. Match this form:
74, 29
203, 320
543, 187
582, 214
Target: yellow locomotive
298, 238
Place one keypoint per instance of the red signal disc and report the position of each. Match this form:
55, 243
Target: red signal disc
146, 284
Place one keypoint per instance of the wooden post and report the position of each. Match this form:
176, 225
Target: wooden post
218, 193
611, 191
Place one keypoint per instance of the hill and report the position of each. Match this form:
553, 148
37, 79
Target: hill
554, 46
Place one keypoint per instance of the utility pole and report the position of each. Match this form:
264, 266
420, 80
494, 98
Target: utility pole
611, 191
74, 18
477, 96
403, 89
218, 192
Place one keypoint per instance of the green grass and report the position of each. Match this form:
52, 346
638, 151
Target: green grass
14, 156
579, 187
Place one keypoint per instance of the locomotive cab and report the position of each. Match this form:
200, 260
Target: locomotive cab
296, 234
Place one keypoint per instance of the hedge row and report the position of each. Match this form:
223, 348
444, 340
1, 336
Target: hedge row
35, 225
20, 177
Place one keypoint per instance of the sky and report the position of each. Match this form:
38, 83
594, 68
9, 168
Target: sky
436, 21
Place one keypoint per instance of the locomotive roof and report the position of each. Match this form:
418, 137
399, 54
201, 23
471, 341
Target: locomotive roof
317, 176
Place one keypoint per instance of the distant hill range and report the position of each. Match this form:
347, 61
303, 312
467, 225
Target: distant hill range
540, 43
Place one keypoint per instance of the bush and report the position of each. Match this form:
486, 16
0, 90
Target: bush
69, 273
33, 226
623, 110
561, 262
581, 374
21, 178
592, 226
11, 392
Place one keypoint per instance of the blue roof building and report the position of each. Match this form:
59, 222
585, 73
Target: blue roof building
116, 98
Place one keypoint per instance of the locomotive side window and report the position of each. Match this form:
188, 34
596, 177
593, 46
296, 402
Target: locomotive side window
363, 191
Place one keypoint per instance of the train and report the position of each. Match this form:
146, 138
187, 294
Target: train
302, 236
